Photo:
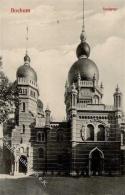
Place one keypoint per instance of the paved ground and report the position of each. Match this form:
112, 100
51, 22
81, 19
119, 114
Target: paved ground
63, 186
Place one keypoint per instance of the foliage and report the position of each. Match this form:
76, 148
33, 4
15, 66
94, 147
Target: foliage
8, 97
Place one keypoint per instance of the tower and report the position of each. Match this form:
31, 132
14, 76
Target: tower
26, 114
117, 99
84, 76
28, 96
26, 79
47, 113
94, 126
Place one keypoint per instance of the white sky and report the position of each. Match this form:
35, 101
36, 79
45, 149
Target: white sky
54, 30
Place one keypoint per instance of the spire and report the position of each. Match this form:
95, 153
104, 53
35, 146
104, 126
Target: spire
83, 49
83, 27
26, 57
101, 85
94, 81
83, 35
27, 38
117, 98
117, 89
73, 86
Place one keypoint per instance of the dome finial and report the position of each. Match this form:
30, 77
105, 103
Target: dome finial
26, 57
83, 34
27, 39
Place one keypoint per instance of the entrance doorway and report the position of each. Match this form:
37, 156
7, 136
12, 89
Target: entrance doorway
23, 164
96, 162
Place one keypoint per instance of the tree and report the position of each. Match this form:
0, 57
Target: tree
8, 97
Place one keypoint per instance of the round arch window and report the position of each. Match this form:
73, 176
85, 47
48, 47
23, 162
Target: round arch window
90, 133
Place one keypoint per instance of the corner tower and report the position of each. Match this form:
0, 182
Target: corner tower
26, 79
25, 115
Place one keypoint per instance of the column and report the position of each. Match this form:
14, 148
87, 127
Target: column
73, 173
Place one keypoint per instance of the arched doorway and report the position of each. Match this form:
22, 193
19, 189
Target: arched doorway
96, 162
23, 164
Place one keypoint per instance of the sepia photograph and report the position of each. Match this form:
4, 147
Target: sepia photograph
62, 97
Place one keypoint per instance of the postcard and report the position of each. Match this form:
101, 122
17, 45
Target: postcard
62, 97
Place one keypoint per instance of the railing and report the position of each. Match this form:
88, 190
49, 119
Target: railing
27, 82
94, 107
86, 83
109, 107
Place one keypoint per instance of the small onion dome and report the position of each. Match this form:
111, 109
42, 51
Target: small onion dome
39, 105
26, 71
27, 58
86, 68
83, 48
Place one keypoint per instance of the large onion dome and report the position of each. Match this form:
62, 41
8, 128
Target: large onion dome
83, 66
26, 71
86, 68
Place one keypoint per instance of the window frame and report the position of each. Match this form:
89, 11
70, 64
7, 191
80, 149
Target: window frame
42, 134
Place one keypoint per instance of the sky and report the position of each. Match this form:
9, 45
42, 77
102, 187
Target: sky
54, 31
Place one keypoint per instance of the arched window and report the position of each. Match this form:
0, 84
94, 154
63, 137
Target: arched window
96, 99
21, 150
23, 128
24, 106
101, 133
90, 133
40, 136
60, 136
27, 151
73, 100
41, 153
43, 136
25, 91
21, 141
